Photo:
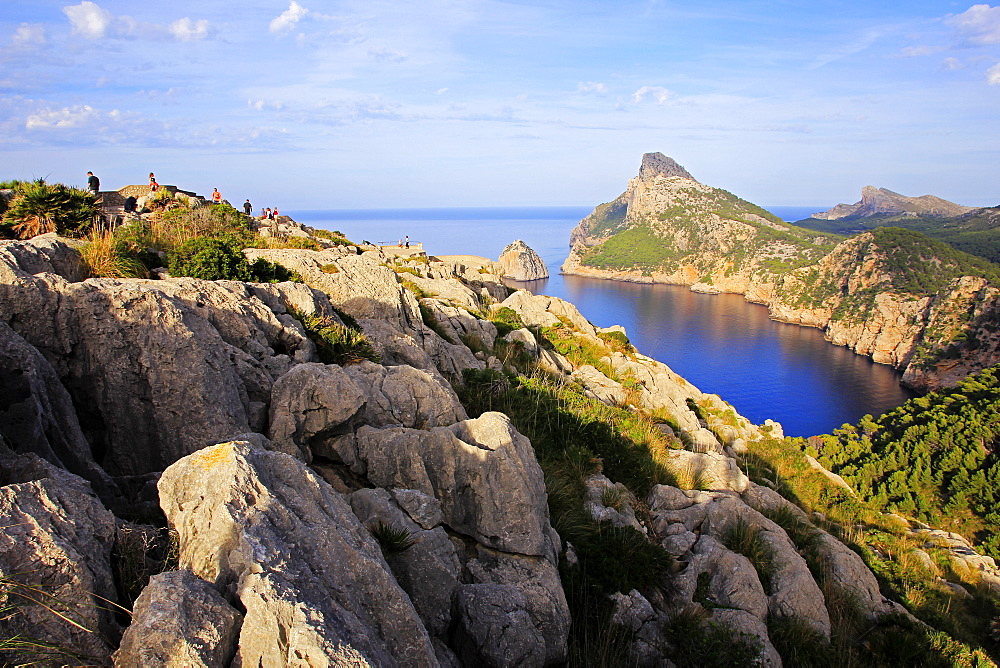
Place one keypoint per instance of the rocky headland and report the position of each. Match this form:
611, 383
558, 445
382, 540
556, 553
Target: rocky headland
882, 202
894, 295
520, 262
187, 480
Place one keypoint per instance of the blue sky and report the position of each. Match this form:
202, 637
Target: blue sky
381, 103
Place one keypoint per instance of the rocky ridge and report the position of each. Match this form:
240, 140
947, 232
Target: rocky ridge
881, 201
857, 289
204, 403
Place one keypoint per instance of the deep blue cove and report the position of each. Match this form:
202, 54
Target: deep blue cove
720, 343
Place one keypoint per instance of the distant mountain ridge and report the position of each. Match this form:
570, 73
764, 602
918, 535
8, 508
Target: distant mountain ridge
882, 201
893, 294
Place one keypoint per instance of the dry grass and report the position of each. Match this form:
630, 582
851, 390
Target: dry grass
104, 257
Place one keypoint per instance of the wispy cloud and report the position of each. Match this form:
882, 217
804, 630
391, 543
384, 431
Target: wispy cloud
993, 75
29, 34
951, 64
658, 94
979, 24
917, 51
90, 21
592, 87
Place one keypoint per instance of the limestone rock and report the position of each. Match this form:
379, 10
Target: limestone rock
707, 470
537, 580
37, 414
543, 311
403, 395
459, 326
600, 488
157, 369
495, 629
309, 403
482, 471
793, 592
428, 570
749, 627
314, 584
519, 262
178, 621
647, 646
598, 386
56, 537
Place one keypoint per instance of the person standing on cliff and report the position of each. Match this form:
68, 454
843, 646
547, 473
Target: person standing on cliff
247, 207
153, 185
93, 183
216, 196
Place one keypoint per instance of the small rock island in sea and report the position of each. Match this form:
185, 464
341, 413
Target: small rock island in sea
520, 263
318, 453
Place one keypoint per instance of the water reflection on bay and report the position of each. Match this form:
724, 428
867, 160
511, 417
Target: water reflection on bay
723, 344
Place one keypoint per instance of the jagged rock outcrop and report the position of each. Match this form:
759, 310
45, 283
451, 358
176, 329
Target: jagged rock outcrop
881, 201
519, 262
56, 545
180, 621
274, 536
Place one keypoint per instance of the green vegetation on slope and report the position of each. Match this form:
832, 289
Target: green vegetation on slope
934, 458
692, 229
39, 207
976, 232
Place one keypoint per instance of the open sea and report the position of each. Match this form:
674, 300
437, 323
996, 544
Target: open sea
720, 343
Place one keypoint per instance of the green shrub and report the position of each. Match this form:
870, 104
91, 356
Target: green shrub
699, 643
617, 341
39, 208
211, 259
301, 243
506, 320
392, 539
336, 343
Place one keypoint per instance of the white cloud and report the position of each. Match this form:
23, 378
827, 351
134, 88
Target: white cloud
979, 24
442, 91
187, 30
993, 75
92, 22
952, 64
88, 20
78, 116
287, 19
386, 55
591, 87
657, 93
29, 34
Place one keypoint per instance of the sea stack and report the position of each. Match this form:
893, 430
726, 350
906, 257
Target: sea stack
521, 263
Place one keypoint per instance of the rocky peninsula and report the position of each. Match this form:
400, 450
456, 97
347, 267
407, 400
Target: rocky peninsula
188, 479
894, 295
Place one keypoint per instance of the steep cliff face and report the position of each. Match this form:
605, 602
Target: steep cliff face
893, 295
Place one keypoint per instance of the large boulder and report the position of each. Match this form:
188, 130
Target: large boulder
482, 471
281, 541
56, 545
495, 629
179, 621
403, 395
519, 262
308, 404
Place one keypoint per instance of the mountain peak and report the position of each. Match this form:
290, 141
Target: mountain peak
882, 201
657, 164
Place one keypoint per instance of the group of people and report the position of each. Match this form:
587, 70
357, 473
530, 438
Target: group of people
267, 214
94, 186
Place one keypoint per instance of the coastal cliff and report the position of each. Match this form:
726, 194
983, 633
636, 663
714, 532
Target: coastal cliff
894, 295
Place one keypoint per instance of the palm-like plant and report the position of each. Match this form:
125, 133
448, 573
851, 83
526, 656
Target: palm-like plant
39, 208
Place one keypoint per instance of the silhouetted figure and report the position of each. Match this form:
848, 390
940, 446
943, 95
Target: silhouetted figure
130, 204
93, 183
247, 207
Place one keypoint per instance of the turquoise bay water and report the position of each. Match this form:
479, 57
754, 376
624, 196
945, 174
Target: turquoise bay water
720, 343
